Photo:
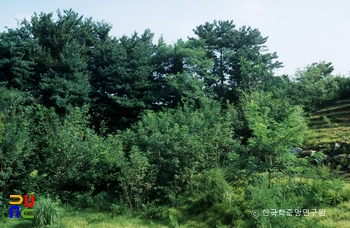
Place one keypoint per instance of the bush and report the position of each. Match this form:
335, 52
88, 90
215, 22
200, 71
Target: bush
209, 187
46, 212
209, 200
16, 146
263, 201
174, 145
66, 152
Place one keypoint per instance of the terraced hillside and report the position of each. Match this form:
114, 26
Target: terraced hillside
329, 125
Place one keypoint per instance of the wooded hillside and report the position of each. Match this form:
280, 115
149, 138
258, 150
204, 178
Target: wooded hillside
198, 133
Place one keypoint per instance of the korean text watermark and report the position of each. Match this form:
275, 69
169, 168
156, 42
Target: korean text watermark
288, 212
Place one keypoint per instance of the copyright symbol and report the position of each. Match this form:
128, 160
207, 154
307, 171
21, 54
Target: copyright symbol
255, 214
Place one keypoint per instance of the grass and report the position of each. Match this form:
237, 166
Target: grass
89, 219
329, 125
337, 217
326, 136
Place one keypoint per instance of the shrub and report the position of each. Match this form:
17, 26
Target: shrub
46, 212
262, 201
166, 149
209, 200
209, 187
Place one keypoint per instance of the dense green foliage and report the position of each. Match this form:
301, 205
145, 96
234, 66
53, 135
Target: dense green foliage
47, 212
202, 127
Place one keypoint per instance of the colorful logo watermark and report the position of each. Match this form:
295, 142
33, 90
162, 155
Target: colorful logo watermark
27, 212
